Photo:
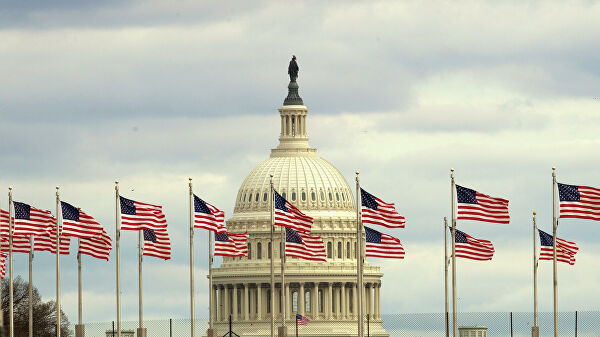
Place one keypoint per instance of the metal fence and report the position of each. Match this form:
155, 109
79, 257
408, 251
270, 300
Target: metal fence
515, 324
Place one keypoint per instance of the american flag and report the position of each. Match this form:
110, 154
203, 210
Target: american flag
32, 221
98, 247
229, 244
21, 244
287, 215
137, 215
382, 245
302, 320
565, 250
47, 243
377, 212
471, 248
581, 202
304, 246
78, 224
208, 216
4, 223
157, 244
3, 265
473, 205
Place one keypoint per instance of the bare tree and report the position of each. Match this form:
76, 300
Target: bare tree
44, 313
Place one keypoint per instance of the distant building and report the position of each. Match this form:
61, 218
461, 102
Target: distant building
472, 331
124, 333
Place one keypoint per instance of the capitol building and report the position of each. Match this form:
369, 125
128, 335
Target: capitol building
324, 292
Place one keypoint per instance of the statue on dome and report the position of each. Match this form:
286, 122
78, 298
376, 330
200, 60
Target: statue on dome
293, 69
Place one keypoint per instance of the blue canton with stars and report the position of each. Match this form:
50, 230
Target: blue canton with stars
459, 236
127, 206
69, 212
200, 206
149, 235
372, 236
367, 199
568, 192
465, 195
546, 239
223, 237
22, 211
280, 202
292, 236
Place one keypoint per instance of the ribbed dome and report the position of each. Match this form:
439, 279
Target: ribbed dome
304, 179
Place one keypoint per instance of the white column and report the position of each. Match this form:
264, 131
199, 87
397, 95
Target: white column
289, 125
234, 312
354, 301
329, 300
379, 301
259, 308
246, 302
215, 309
301, 305
343, 298
226, 306
314, 308
282, 125
288, 297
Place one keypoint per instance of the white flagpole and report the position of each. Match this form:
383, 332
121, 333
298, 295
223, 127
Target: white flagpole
11, 314
192, 306
31, 286
140, 304
79, 330
453, 210
58, 226
535, 328
554, 225
446, 274
117, 238
283, 288
359, 259
211, 299
271, 251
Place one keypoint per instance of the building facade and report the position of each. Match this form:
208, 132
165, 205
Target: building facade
325, 292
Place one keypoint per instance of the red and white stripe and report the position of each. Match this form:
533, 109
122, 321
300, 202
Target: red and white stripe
147, 216
475, 249
390, 247
385, 215
98, 247
237, 245
3, 265
213, 222
488, 209
293, 219
587, 208
86, 227
312, 248
565, 251
161, 248
48, 244
21, 244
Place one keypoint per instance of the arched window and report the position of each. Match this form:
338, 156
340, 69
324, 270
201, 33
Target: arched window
293, 196
337, 196
257, 196
320, 300
343, 196
339, 252
303, 196
295, 301
283, 195
265, 196
313, 196
244, 197
249, 251
347, 250
329, 253
322, 196
307, 307
269, 251
259, 250
330, 196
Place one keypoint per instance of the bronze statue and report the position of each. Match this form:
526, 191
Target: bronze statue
293, 69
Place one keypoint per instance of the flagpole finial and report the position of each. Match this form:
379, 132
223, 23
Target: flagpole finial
9, 188
116, 182
190, 179
534, 213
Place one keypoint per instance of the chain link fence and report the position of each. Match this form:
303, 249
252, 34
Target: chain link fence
515, 324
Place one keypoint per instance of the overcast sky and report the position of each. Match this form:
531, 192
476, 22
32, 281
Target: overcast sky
152, 92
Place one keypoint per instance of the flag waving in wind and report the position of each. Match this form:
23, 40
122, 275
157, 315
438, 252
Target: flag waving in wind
47, 243
157, 243
304, 246
229, 244
565, 250
287, 215
377, 212
582, 202
137, 215
32, 221
78, 224
471, 248
208, 216
382, 245
473, 205
98, 247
